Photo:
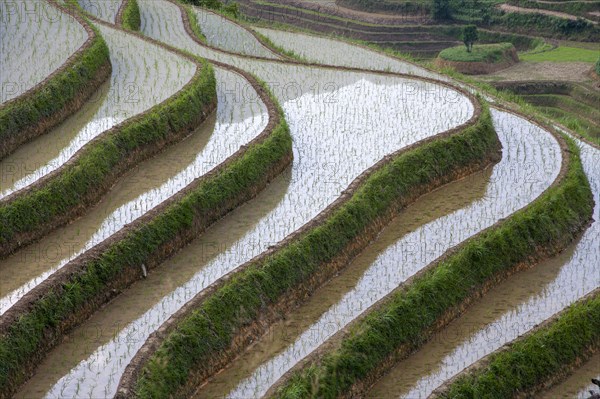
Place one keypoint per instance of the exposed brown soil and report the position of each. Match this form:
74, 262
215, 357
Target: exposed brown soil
543, 71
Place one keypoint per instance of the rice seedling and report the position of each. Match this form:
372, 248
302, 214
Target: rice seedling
221, 33
234, 128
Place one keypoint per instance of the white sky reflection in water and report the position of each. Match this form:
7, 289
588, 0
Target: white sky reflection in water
36, 39
105, 10
143, 75
331, 146
530, 163
578, 277
238, 122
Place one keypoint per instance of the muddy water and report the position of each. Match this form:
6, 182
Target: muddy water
31, 156
143, 75
331, 147
511, 309
223, 34
579, 384
531, 161
239, 119
105, 10
108, 322
429, 207
37, 39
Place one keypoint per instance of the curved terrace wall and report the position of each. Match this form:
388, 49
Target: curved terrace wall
69, 296
62, 93
300, 262
535, 361
509, 59
395, 326
159, 236
162, 333
584, 177
129, 15
65, 193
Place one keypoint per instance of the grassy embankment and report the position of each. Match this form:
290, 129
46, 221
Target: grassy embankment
489, 53
573, 105
44, 107
534, 359
130, 17
25, 340
566, 118
80, 183
562, 54
206, 334
408, 317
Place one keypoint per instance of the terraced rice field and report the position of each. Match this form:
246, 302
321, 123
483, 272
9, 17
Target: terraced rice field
143, 75
229, 36
349, 112
42, 38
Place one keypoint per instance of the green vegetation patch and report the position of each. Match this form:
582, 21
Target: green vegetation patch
530, 361
32, 111
490, 53
194, 24
80, 182
130, 18
562, 54
410, 313
567, 103
22, 343
210, 328
547, 25
577, 8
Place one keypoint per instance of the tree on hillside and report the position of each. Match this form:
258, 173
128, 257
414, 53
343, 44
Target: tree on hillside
441, 10
470, 36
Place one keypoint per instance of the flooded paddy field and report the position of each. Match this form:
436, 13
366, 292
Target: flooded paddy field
149, 185
37, 39
422, 246
342, 122
143, 75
